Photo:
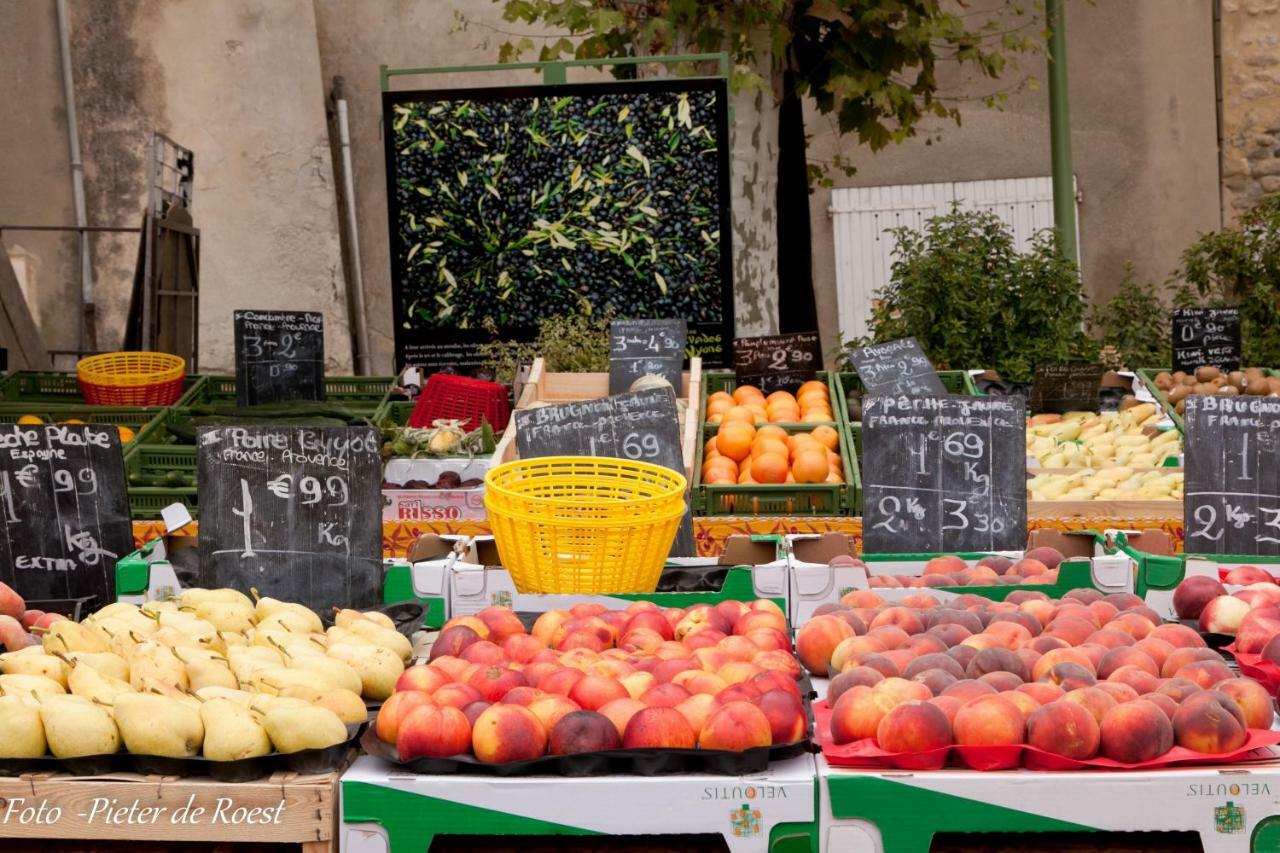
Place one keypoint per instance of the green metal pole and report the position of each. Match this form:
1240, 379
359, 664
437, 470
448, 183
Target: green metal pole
1064, 192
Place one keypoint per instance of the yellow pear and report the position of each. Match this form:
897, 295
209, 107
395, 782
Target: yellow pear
346, 635
17, 663
343, 617
298, 621
240, 697
232, 732
116, 609
158, 725
210, 672
385, 637
155, 608
67, 636
310, 727
264, 702
245, 660
378, 667
20, 683
21, 732
75, 727
152, 665
124, 643
196, 596
107, 663
339, 673
349, 707
84, 680
226, 615
275, 679
200, 630
233, 638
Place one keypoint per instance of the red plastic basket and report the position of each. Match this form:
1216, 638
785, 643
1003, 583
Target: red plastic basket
448, 397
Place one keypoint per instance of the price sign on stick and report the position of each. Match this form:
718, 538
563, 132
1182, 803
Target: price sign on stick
292, 512
1231, 500
64, 509
897, 367
279, 356
1060, 388
944, 474
641, 347
1206, 337
641, 426
777, 362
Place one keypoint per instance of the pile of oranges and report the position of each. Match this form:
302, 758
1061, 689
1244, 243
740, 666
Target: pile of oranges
742, 453
810, 404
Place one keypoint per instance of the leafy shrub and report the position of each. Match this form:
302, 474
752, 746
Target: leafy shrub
573, 343
971, 300
1241, 266
1133, 326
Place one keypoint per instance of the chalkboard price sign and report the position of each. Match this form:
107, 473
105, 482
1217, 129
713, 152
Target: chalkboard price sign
279, 356
65, 510
1060, 388
640, 347
1206, 337
944, 474
777, 362
1231, 500
897, 367
641, 426
292, 512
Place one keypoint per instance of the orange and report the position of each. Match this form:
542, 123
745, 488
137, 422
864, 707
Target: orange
791, 478
747, 392
721, 467
816, 416
779, 397
768, 445
759, 412
734, 439
719, 478
745, 479
718, 403
827, 437
769, 468
802, 444
126, 435
709, 449
772, 431
739, 413
783, 414
811, 386
29, 420
715, 419
833, 477
810, 466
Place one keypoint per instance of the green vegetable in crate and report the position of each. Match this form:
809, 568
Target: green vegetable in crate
442, 438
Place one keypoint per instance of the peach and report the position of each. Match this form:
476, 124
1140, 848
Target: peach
583, 731
640, 640
756, 620
697, 708
816, 641
1045, 644
1179, 689
1139, 679
456, 695
522, 648
485, 653
1053, 657
786, 715
454, 640
744, 692
612, 667
1178, 636
736, 726
1245, 575
561, 680
768, 639
649, 621
398, 705
1135, 731
933, 661
1049, 556
1038, 608
422, 678
473, 711
1126, 656
1042, 691
1205, 673
582, 639
429, 731
620, 712
738, 648
1271, 651
861, 598
501, 622
1094, 653
937, 680
1084, 596
549, 709
1103, 611
857, 713
736, 672
901, 690
969, 689
962, 654
586, 609
659, 728
594, 691
1256, 630
668, 669
1161, 701
944, 565
549, 627
766, 604
665, 695
472, 622
1210, 722
696, 681
927, 644
506, 733
997, 660
1193, 593
731, 609
1070, 676
522, 696
774, 680
914, 726
702, 616
1064, 728
851, 649
1111, 638
1095, 700
1001, 680
990, 721
1180, 657
901, 617
1008, 634
1025, 702
890, 636
1223, 615
858, 676
1071, 629
778, 661
1253, 699
493, 682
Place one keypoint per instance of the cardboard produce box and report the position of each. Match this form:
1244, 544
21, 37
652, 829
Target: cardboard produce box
467, 572
1232, 809
1089, 563
386, 810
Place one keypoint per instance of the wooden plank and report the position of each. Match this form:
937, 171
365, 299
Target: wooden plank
18, 332
1170, 509
282, 808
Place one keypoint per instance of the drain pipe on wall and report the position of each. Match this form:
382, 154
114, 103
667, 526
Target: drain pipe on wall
356, 279
88, 327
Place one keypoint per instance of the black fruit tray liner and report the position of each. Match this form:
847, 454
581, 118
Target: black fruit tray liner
306, 762
407, 616
1213, 639
635, 762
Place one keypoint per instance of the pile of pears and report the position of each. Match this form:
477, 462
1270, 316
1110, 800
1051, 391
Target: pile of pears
212, 673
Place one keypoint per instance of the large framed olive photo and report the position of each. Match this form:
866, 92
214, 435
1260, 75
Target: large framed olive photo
511, 205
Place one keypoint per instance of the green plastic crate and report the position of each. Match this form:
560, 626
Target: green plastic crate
60, 388
159, 475
135, 419
361, 394
394, 413
724, 380
808, 499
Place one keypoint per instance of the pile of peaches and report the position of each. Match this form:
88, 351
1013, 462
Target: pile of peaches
1038, 566
1251, 613
1087, 676
588, 679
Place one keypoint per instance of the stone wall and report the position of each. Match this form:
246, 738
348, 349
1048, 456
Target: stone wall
1250, 103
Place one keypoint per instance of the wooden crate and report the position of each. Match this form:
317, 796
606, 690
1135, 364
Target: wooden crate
290, 809
1107, 508
543, 386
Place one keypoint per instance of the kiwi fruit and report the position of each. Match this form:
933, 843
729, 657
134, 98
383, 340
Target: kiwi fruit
1237, 379
1204, 374
1228, 390
1258, 387
1179, 376
1164, 381
1177, 393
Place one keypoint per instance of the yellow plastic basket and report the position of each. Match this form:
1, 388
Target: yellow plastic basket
584, 524
131, 378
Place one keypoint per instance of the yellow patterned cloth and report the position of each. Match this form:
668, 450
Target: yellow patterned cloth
711, 533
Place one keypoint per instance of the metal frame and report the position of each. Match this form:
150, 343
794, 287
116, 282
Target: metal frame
556, 72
